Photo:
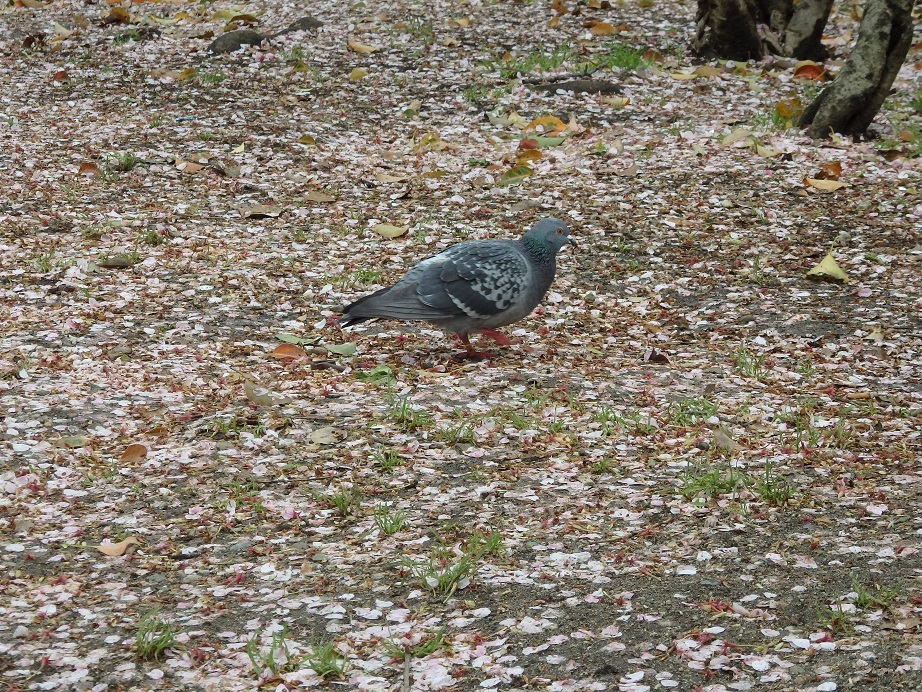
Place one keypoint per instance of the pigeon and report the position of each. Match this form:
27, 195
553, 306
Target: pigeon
472, 287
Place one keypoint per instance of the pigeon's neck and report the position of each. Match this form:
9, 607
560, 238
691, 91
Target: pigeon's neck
538, 249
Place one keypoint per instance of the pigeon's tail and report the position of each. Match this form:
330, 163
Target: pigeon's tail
348, 320
387, 303
354, 314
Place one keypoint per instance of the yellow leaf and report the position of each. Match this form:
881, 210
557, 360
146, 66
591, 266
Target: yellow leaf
827, 270
510, 118
877, 334
515, 175
357, 47
738, 135
133, 454
617, 102
429, 142
462, 22
766, 152
240, 149
828, 185
789, 108
358, 73
187, 73
553, 21
116, 549
449, 41
306, 139
434, 174
386, 230
548, 123
71, 441
527, 155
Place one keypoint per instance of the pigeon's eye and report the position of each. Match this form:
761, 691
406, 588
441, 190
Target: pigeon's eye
559, 231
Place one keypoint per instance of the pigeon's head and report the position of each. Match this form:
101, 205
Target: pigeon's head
547, 236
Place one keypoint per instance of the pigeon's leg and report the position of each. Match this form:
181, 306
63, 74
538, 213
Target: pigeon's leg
470, 351
498, 337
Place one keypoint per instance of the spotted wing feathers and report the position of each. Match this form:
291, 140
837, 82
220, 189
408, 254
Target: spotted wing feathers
478, 279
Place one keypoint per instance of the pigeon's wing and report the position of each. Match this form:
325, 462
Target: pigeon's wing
403, 301
479, 279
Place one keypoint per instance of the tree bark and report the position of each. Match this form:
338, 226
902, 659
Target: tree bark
805, 29
849, 104
750, 29
727, 29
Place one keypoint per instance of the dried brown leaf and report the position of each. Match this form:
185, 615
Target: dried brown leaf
383, 177
133, 453
89, 169
117, 15
602, 29
188, 166
261, 211
319, 196
261, 396
288, 351
327, 436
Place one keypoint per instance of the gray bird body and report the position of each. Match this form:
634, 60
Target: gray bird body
473, 286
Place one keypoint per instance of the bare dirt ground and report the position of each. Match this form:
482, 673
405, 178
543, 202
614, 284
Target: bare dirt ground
695, 468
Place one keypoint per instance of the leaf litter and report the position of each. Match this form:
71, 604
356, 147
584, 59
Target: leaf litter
694, 467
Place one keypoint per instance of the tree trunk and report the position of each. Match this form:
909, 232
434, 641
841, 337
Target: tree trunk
750, 29
805, 29
849, 104
727, 29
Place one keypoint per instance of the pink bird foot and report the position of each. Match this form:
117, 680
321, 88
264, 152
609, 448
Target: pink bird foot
470, 353
498, 337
